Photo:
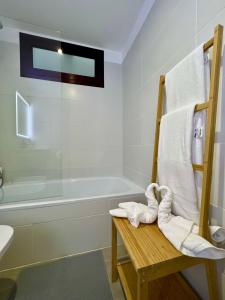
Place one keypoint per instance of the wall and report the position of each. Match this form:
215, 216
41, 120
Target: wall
77, 130
92, 127
172, 29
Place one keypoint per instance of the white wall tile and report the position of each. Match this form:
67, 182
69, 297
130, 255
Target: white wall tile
207, 10
20, 251
181, 23
61, 238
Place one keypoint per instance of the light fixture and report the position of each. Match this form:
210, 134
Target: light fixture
60, 51
23, 117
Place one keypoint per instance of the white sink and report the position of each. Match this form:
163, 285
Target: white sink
6, 236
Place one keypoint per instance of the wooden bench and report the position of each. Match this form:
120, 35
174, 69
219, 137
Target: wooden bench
151, 257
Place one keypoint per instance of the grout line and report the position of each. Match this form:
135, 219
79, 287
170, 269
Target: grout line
196, 22
58, 258
220, 12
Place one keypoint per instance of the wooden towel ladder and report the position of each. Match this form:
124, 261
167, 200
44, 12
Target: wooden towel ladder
152, 270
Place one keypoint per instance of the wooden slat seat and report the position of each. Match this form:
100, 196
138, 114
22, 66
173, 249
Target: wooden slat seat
149, 249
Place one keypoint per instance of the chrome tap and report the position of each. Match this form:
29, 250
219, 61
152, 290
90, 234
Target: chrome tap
1, 177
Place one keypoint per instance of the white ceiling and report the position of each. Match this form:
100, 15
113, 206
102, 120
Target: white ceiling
107, 24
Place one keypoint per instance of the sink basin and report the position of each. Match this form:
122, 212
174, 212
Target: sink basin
6, 235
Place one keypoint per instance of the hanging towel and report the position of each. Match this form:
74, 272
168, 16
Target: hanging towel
174, 161
188, 82
183, 234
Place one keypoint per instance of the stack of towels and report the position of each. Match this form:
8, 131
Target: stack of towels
182, 132
181, 143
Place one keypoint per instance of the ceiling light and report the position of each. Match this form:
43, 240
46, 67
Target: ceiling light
60, 51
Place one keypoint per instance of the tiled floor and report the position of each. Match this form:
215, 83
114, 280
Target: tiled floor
116, 289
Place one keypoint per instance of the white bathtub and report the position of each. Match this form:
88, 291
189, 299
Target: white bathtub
42, 193
72, 219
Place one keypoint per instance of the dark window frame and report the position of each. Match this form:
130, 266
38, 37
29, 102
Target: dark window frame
28, 42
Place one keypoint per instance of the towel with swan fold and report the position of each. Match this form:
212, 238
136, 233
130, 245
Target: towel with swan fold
138, 213
183, 233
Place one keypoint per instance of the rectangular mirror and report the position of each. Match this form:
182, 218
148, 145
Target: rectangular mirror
23, 117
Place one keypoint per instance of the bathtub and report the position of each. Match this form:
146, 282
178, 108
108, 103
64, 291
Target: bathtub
53, 192
58, 218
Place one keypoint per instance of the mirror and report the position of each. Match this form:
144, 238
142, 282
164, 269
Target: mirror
23, 117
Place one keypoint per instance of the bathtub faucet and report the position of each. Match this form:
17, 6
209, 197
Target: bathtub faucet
1, 177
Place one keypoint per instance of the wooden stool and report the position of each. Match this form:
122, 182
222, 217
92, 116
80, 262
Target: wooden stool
152, 260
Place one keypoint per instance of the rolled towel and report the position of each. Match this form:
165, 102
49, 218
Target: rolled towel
140, 213
137, 212
150, 195
118, 212
132, 211
183, 234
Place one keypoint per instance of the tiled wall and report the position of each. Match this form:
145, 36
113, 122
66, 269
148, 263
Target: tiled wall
92, 127
77, 130
172, 29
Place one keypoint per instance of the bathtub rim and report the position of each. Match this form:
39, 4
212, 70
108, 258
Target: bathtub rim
48, 202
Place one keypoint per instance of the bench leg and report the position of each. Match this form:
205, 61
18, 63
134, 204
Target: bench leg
114, 253
142, 289
212, 280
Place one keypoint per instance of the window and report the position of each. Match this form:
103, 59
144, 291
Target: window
49, 59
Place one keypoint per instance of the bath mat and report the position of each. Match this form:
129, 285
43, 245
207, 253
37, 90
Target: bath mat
81, 277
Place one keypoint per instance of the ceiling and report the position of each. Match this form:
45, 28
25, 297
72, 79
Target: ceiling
106, 24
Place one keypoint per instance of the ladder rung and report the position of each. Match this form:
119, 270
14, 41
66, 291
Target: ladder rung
206, 47
198, 167
201, 106
198, 107
208, 44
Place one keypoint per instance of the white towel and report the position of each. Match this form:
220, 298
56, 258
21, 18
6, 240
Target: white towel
175, 163
188, 82
118, 212
137, 212
183, 234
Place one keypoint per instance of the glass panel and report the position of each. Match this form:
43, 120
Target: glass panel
30, 127
60, 62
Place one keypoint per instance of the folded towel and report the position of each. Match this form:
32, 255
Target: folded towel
118, 212
217, 233
137, 212
183, 234
175, 162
